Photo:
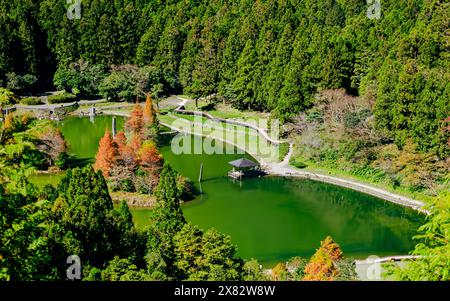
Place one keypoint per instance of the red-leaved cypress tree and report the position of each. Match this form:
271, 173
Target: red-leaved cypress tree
106, 154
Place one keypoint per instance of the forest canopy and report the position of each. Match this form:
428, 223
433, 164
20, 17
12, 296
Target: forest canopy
269, 55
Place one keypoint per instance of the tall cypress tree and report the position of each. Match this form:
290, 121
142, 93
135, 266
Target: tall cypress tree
242, 89
296, 92
167, 219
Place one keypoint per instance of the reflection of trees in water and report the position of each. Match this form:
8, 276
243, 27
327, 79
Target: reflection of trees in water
357, 206
339, 198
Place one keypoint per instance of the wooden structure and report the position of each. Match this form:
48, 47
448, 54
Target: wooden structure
243, 168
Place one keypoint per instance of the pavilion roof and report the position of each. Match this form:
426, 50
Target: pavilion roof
243, 163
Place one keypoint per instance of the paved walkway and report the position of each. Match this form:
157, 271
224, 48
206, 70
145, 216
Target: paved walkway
52, 107
284, 169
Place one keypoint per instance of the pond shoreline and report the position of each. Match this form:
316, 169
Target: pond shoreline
289, 171
285, 170
291, 207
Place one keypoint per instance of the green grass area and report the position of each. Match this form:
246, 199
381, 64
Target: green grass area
43, 179
226, 111
283, 150
243, 137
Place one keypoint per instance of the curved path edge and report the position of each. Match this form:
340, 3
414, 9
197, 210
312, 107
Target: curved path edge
284, 169
287, 171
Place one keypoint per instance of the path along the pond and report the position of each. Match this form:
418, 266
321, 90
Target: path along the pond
284, 169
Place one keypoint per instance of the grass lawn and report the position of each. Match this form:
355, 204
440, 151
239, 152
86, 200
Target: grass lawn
226, 111
242, 137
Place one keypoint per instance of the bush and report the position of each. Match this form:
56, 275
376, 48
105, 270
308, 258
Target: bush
314, 115
296, 162
31, 101
353, 119
186, 188
280, 273
21, 83
62, 161
62, 98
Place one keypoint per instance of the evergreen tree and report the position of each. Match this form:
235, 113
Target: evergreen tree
149, 114
135, 123
167, 219
25, 253
86, 224
242, 89
208, 256
322, 266
106, 154
296, 92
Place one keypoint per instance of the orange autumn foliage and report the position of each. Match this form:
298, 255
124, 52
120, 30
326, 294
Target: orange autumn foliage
149, 156
136, 143
322, 266
149, 112
9, 121
106, 154
135, 123
121, 140
128, 157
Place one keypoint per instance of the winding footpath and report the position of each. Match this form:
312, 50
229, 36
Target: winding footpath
284, 169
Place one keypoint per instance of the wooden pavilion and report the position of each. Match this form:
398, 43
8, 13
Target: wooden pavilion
243, 168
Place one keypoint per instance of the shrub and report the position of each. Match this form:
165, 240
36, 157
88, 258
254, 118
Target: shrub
31, 101
280, 272
296, 162
62, 98
296, 268
314, 115
62, 160
353, 119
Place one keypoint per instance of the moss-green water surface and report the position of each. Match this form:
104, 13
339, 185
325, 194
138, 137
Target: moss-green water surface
270, 218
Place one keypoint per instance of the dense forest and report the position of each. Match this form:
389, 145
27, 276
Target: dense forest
368, 96
271, 55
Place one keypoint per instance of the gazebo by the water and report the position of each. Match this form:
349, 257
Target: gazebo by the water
243, 168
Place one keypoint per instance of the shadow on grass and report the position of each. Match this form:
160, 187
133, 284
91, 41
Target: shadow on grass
209, 107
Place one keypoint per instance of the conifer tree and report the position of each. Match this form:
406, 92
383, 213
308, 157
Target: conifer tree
167, 218
106, 154
121, 141
149, 114
135, 123
243, 90
322, 266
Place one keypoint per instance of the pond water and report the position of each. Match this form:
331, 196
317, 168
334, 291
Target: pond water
271, 218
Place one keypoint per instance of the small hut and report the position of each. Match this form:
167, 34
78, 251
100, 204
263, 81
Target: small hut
244, 168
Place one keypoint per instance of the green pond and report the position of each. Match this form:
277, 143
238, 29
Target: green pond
269, 218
